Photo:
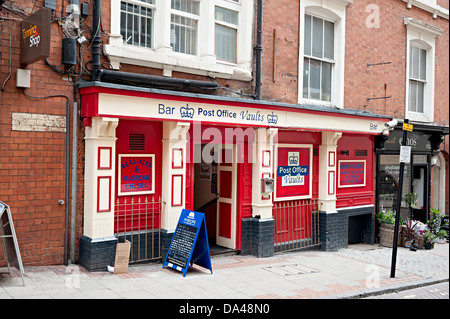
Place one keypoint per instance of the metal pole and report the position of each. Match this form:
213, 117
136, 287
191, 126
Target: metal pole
258, 49
399, 205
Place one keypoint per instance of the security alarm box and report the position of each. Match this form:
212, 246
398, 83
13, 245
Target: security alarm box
266, 185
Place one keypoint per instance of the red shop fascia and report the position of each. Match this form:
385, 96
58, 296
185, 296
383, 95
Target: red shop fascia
209, 153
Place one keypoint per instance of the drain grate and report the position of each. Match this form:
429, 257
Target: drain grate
291, 270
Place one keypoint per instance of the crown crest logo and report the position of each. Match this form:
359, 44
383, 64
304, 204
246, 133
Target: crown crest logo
187, 111
293, 160
272, 118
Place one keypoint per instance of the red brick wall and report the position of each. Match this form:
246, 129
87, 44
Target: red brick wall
280, 33
388, 44
32, 163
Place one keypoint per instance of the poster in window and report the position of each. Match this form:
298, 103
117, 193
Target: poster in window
352, 173
136, 174
293, 172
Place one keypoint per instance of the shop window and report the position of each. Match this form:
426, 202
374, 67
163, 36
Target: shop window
389, 181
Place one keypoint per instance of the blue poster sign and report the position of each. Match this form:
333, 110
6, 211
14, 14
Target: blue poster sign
189, 243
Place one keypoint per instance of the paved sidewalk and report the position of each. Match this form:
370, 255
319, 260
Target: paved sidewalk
361, 270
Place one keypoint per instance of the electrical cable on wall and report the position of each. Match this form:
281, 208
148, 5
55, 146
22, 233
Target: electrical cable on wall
46, 96
9, 63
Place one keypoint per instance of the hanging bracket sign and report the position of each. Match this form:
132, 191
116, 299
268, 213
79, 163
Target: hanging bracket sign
189, 243
35, 37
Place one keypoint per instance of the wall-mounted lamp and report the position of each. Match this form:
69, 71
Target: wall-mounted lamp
434, 161
346, 152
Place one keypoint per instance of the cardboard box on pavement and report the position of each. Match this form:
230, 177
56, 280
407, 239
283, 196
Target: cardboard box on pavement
122, 257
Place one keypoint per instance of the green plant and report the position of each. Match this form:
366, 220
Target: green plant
387, 217
429, 236
434, 223
409, 229
441, 234
411, 199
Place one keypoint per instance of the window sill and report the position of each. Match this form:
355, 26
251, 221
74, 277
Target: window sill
429, 6
167, 60
317, 103
418, 117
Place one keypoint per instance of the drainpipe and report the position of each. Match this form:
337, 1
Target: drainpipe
73, 202
66, 203
128, 78
96, 40
258, 49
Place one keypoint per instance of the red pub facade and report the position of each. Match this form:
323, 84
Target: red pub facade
216, 155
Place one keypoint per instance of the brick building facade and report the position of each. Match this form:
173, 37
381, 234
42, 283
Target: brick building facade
367, 84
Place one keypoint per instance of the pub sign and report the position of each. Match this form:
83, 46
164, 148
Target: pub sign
136, 174
293, 175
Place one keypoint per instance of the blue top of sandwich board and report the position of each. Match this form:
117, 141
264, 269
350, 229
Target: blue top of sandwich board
189, 243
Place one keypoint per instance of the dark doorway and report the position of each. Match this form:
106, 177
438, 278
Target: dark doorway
420, 187
357, 229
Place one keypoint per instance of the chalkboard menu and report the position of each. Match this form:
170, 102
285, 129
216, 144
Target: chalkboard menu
182, 243
189, 243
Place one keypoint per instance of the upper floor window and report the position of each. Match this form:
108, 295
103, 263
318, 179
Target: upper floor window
226, 34
322, 52
421, 44
136, 22
203, 37
183, 26
318, 58
417, 78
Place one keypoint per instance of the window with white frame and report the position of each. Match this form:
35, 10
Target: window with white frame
318, 58
421, 43
136, 22
226, 34
204, 37
417, 78
322, 52
183, 26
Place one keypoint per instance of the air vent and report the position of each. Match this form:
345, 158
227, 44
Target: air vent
361, 152
136, 142
315, 152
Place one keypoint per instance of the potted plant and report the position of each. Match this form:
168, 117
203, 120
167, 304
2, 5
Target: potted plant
429, 237
440, 236
411, 200
387, 225
409, 232
434, 223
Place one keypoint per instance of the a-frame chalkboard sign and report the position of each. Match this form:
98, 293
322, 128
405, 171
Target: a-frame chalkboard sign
189, 243
8, 234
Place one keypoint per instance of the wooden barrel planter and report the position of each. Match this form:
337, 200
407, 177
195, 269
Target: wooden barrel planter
387, 235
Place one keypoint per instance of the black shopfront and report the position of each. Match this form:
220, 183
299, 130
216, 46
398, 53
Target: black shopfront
424, 141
